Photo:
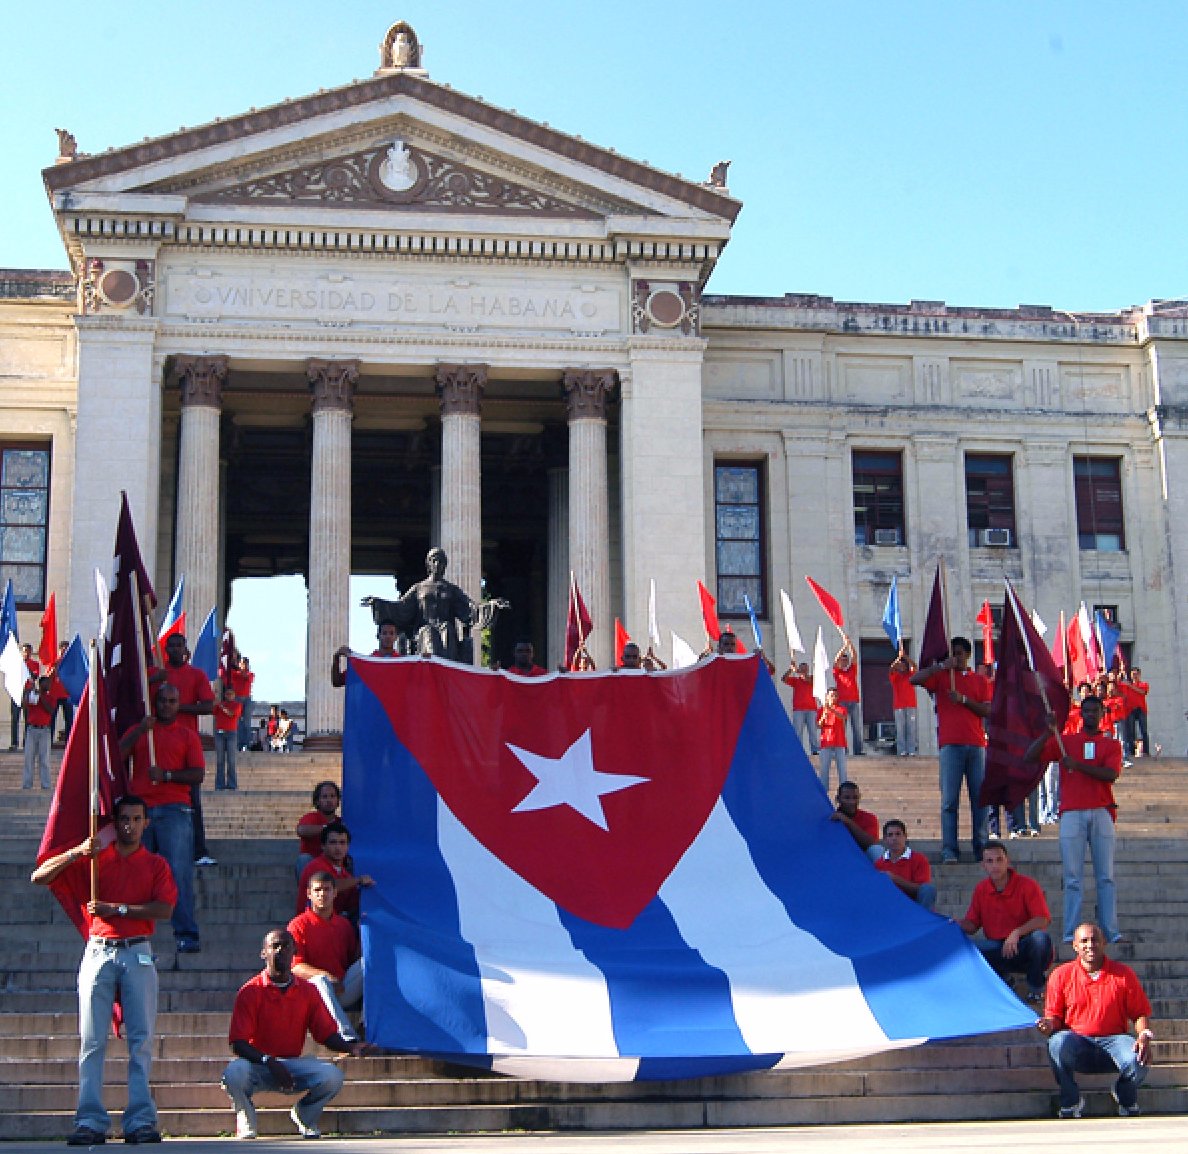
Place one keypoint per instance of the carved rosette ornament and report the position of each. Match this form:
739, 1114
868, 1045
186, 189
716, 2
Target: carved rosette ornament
332, 384
460, 388
587, 392
668, 307
200, 379
118, 286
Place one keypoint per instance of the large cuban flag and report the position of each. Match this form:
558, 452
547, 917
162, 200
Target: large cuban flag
617, 876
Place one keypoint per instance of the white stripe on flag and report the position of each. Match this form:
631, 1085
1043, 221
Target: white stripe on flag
541, 996
785, 984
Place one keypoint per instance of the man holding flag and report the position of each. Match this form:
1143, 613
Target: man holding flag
133, 889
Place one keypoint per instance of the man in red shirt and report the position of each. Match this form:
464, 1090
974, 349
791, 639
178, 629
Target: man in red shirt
804, 706
863, 826
831, 725
135, 890
845, 677
335, 860
196, 699
1090, 763
1091, 1003
962, 700
227, 712
164, 782
40, 703
903, 703
1010, 909
242, 679
1134, 692
326, 799
271, 1017
524, 660
909, 870
34, 668
327, 954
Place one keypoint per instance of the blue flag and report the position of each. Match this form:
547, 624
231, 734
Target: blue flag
1107, 634
73, 670
754, 623
892, 624
8, 616
206, 648
609, 878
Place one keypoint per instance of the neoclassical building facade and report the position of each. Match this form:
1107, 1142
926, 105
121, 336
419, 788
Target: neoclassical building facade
320, 337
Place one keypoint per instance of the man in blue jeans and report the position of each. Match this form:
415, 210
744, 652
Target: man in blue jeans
167, 759
962, 701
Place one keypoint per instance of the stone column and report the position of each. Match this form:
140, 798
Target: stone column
587, 392
460, 388
332, 384
197, 542
558, 559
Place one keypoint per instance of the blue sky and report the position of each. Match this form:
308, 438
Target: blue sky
988, 154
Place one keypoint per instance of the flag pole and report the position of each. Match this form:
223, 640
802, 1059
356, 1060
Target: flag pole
93, 761
141, 664
1013, 601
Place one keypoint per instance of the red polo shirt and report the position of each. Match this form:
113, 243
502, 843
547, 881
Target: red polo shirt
1095, 1006
328, 944
134, 880
1079, 790
846, 681
912, 867
344, 903
802, 692
192, 687
313, 845
178, 747
957, 724
903, 692
831, 720
1000, 913
275, 1019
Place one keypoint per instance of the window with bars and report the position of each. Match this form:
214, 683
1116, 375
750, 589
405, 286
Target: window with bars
740, 537
878, 498
24, 521
1097, 482
990, 500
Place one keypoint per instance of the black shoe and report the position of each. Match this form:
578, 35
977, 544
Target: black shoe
142, 1137
188, 946
85, 1136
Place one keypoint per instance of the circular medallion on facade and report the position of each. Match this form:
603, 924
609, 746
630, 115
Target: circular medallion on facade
119, 287
396, 174
665, 308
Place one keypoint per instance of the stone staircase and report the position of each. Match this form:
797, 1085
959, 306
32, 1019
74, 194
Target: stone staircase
251, 889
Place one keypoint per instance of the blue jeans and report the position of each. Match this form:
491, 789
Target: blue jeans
170, 832
106, 971
1071, 1053
960, 763
320, 1081
1033, 958
351, 995
804, 721
1095, 827
854, 720
225, 743
905, 732
832, 755
244, 733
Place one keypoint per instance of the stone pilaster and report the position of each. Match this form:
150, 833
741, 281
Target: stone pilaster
587, 393
197, 541
332, 384
460, 389
558, 559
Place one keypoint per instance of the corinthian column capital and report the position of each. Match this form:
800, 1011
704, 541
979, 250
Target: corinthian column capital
587, 392
200, 379
332, 383
460, 388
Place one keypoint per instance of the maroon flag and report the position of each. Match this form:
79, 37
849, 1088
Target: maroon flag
934, 643
228, 657
69, 820
123, 654
578, 623
1027, 687
709, 612
829, 603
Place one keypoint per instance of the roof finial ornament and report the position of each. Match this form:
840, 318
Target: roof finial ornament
400, 51
67, 146
717, 176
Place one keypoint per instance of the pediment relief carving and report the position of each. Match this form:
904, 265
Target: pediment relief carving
395, 174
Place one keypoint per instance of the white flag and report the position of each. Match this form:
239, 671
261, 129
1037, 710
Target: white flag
1037, 621
14, 669
795, 644
653, 627
820, 665
682, 653
103, 597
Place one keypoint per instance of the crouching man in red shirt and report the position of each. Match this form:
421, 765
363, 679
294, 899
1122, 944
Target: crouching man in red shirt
1090, 1004
273, 1013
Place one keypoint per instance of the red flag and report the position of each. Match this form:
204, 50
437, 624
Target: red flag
69, 820
1060, 646
1027, 687
934, 643
48, 649
122, 653
985, 619
709, 613
578, 623
829, 603
622, 639
1078, 658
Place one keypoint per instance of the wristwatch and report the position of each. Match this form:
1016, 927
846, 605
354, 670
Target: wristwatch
122, 910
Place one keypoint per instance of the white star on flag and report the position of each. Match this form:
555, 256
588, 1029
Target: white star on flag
571, 780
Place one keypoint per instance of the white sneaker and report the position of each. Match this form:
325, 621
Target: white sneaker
205, 860
1072, 1111
304, 1130
245, 1123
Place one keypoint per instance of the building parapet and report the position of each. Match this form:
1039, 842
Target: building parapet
29, 284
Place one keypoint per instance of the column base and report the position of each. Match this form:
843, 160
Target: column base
323, 741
